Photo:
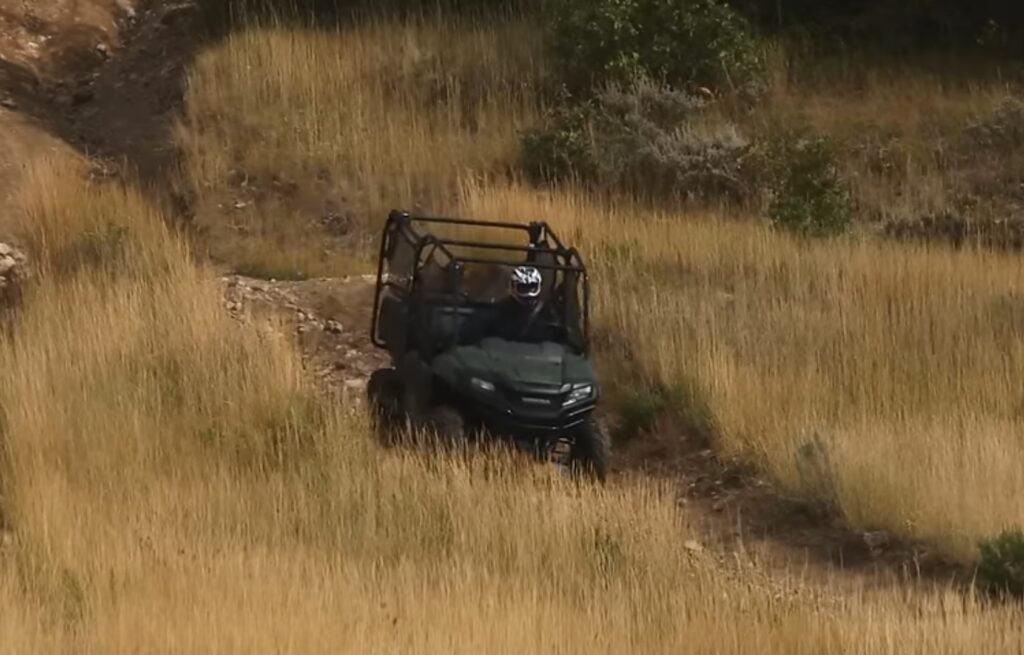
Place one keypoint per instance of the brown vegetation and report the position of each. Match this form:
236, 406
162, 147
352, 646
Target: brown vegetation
171, 481
891, 365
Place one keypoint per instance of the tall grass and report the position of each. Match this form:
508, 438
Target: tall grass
901, 126
354, 117
895, 367
169, 483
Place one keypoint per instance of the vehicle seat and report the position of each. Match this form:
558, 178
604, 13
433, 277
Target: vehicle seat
442, 318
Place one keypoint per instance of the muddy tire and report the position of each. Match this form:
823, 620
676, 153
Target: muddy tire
590, 451
384, 397
446, 424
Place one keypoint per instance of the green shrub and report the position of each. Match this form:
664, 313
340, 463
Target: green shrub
639, 411
1001, 570
563, 147
816, 472
681, 43
690, 408
661, 143
810, 196
654, 142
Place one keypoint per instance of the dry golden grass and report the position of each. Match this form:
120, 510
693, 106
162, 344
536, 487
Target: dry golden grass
170, 484
901, 127
899, 364
356, 117
894, 368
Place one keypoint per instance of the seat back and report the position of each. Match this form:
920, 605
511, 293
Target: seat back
442, 319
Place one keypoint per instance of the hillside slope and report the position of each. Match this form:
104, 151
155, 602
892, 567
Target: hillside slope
176, 478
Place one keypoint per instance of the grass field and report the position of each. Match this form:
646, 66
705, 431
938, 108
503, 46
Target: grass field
887, 370
170, 483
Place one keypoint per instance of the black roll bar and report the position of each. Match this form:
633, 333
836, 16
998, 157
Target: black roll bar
537, 231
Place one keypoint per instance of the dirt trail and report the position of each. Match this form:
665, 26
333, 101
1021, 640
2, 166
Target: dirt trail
329, 317
121, 107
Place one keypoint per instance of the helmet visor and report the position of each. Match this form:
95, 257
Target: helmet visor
526, 289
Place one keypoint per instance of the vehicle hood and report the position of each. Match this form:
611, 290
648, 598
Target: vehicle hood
515, 365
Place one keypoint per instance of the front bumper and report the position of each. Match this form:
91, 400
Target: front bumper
528, 415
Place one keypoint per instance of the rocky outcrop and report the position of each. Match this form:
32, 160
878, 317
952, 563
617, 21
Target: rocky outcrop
13, 272
329, 318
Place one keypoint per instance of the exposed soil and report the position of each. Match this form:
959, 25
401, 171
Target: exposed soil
330, 318
741, 511
106, 77
107, 80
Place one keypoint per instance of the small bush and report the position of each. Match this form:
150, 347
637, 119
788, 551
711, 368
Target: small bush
816, 472
563, 148
655, 142
661, 144
638, 413
691, 409
810, 196
1001, 570
1001, 132
681, 43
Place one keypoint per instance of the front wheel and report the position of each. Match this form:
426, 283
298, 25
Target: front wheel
384, 394
446, 423
590, 451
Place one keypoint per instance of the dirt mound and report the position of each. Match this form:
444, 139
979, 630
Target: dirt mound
59, 37
105, 76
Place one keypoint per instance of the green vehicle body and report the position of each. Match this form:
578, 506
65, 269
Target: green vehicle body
431, 324
521, 389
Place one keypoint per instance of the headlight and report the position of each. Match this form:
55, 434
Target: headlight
579, 394
482, 385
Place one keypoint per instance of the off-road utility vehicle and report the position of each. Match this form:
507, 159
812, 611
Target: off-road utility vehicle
460, 366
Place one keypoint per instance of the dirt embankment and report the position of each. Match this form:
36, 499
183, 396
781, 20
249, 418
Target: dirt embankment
105, 77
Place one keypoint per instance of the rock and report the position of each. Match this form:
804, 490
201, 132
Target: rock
175, 13
337, 224
8, 103
103, 50
877, 540
333, 327
356, 384
126, 8
237, 178
693, 546
13, 272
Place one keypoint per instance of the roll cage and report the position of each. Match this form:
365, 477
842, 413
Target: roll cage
421, 276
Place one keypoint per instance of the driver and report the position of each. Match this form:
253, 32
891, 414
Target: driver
524, 315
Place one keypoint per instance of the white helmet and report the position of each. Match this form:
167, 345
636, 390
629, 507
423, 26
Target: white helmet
525, 283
